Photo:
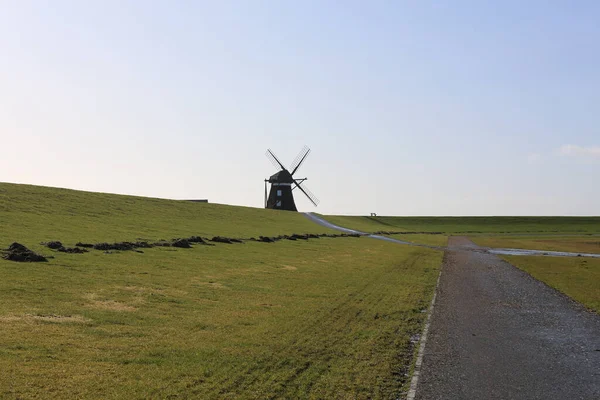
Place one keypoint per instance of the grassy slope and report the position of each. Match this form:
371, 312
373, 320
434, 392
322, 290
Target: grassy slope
575, 244
324, 318
578, 277
471, 224
32, 214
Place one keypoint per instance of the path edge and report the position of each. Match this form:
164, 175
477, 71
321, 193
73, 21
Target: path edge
412, 392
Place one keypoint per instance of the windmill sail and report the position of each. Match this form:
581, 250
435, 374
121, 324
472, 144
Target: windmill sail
299, 159
274, 160
313, 199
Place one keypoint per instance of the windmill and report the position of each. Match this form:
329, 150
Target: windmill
283, 183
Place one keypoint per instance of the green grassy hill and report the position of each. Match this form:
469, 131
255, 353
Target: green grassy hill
32, 214
318, 318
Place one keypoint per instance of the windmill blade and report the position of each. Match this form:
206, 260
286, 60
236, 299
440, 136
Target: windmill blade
274, 159
300, 159
313, 199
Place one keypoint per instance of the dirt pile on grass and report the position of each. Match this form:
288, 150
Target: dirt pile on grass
196, 239
20, 253
58, 246
181, 243
72, 250
115, 246
221, 239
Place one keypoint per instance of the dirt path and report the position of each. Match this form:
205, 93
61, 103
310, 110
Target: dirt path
497, 333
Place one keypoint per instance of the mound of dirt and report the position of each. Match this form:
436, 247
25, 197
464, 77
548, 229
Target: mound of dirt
102, 246
181, 243
143, 245
72, 250
266, 239
20, 253
123, 246
221, 239
58, 246
196, 239
297, 236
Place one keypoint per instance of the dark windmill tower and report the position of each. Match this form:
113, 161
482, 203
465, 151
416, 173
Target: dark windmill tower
283, 183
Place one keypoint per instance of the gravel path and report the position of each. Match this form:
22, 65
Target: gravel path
497, 333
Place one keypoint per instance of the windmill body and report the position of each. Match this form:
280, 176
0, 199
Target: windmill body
283, 183
280, 196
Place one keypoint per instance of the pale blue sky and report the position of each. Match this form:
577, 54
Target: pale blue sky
410, 107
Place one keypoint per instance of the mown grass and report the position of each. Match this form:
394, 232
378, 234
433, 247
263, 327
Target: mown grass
575, 244
34, 213
576, 277
463, 225
325, 318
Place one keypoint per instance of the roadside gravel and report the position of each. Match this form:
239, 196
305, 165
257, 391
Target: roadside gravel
498, 333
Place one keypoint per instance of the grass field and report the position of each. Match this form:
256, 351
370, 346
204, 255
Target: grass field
575, 244
324, 318
578, 278
461, 225
32, 214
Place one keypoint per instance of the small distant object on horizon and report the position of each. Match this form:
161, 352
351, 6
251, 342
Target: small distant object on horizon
198, 201
373, 214
283, 182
